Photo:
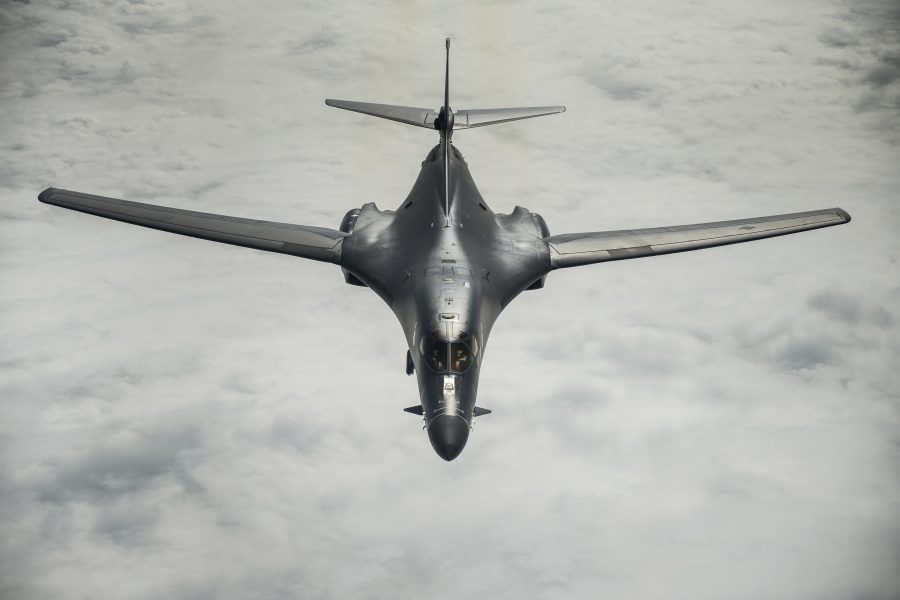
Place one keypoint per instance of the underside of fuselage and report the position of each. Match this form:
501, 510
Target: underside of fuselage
446, 265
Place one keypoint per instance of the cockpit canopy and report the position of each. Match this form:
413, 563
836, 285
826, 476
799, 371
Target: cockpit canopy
442, 355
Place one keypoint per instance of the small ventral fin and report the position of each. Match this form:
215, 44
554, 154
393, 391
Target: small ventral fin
481, 411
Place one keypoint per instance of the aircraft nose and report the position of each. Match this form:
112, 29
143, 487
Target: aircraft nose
448, 435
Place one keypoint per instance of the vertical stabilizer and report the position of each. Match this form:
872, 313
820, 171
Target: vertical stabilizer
447, 79
446, 118
445, 125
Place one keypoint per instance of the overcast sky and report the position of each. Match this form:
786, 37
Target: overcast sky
184, 419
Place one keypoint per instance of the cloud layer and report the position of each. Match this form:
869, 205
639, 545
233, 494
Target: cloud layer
191, 420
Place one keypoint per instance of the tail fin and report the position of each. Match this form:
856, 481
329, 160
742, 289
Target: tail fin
465, 119
431, 119
447, 77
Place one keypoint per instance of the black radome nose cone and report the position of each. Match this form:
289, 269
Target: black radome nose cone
448, 435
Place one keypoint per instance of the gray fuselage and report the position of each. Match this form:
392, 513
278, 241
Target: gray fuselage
446, 265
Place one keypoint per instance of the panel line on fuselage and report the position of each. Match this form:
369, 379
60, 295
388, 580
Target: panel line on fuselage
445, 142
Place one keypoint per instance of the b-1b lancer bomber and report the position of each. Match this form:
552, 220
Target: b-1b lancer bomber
445, 263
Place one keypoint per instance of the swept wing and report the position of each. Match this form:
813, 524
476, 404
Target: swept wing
573, 249
316, 243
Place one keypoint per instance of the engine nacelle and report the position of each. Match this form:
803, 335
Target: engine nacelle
349, 221
347, 225
542, 231
540, 225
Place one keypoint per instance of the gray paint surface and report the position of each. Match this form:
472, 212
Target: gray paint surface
665, 428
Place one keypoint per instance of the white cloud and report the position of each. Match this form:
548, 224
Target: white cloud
185, 419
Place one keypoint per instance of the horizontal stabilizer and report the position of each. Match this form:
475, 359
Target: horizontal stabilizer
418, 410
420, 117
426, 117
479, 117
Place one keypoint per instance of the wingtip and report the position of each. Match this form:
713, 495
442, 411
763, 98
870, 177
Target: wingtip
844, 214
45, 195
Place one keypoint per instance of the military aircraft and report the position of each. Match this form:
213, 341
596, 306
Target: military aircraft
445, 263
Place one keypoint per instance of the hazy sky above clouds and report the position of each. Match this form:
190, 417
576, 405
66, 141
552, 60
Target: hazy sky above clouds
185, 419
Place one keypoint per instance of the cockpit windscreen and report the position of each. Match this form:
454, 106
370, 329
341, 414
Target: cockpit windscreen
447, 356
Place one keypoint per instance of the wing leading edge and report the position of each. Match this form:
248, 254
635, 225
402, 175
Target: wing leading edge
316, 243
574, 249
